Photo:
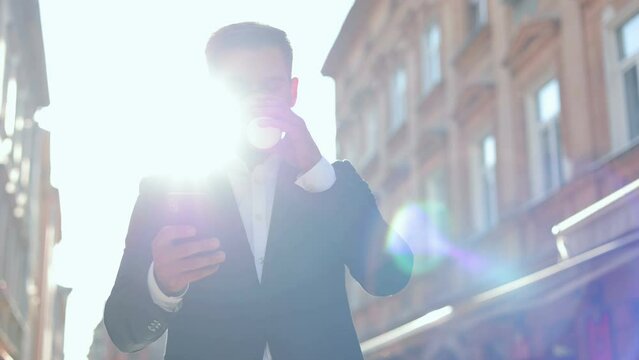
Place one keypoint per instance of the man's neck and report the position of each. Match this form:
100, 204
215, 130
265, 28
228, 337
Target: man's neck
252, 157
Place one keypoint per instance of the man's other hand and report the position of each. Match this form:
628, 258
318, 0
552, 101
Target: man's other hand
298, 147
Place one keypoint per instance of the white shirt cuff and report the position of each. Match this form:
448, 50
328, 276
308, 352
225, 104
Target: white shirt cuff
320, 177
168, 303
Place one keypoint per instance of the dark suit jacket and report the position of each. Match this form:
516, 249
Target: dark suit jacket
300, 307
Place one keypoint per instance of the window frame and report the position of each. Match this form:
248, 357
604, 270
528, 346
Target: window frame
429, 58
3, 71
398, 99
371, 121
4, 224
11, 106
612, 22
522, 9
478, 19
625, 65
535, 127
485, 207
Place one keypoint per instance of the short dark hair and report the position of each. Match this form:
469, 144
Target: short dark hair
247, 35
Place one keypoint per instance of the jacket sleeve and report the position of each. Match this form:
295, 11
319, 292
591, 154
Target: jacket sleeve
131, 317
377, 257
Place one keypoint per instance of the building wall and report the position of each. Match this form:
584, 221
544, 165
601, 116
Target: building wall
490, 75
30, 322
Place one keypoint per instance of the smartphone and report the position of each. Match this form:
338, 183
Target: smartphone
189, 208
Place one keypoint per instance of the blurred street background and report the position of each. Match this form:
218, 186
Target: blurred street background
500, 137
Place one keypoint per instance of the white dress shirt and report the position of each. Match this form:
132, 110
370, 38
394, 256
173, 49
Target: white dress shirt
254, 193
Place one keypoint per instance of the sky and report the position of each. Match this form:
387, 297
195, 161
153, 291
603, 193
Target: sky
124, 79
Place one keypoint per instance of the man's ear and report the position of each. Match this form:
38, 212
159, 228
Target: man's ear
294, 83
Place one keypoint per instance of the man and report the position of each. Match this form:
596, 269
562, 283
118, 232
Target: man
259, 272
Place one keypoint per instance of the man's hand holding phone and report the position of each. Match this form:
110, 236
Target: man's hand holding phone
180, 258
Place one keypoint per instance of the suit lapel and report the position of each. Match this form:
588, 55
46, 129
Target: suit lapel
229, 227
286, 216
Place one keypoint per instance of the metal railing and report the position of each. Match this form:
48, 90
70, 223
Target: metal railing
445, 314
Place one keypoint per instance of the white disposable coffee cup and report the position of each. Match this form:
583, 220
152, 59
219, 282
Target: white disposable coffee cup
262, 137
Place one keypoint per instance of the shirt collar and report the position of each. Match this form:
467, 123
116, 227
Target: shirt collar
268, 167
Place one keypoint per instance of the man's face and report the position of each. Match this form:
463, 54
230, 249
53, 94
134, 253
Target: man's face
257, 77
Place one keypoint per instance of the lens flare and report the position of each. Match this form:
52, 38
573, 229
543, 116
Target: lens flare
417, 227
424, 227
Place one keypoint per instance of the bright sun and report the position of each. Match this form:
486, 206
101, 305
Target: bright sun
205, 138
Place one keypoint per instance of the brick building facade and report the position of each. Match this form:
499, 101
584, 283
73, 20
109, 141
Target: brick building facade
31, 307
500, 137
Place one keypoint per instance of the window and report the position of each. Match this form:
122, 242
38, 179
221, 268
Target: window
478, 14
371, 122
11, 107
4, 221
3, 59
489, 178
27, 143
522, 9
628, 39
545, 139
431, 58
5, 149
485, 184
17, 152
25, 172
398, 100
